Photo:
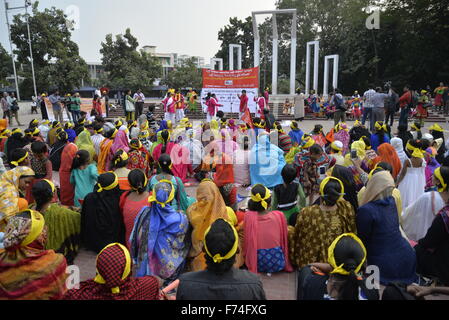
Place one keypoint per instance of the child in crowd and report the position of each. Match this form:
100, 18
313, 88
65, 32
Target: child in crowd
84, 176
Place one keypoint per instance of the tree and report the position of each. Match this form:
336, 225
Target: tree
186, 75
56, 57
125, 66
5, 65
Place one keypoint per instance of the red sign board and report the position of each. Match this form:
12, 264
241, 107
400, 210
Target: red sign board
233, 79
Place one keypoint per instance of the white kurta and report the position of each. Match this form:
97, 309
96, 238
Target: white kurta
418, 217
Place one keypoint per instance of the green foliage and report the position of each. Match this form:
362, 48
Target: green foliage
57, 61
125, 66
187, 75
411, 45
5, 65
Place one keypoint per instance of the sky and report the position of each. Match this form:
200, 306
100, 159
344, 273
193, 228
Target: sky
174, 26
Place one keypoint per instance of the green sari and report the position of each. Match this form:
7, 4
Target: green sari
64, 227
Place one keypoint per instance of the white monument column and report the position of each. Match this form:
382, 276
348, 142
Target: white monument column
275, 46
231, 56
336, 59
316, 45
274, 72
293, 56
213, 61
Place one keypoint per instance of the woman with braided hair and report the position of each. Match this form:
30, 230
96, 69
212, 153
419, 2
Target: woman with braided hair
318, 225
266, 235
342, 278
101, 219
119, 164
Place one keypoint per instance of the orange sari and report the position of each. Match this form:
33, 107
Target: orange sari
105, 148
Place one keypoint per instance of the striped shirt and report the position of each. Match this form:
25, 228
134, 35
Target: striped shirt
285, 142
97, 139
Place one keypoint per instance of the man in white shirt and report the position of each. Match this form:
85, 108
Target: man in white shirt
140, 100
368, 106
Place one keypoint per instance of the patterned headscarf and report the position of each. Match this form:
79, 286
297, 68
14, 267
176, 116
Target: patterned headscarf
10, 193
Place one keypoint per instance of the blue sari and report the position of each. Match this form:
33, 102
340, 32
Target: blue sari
163, 126
266, 163
158, 246
71, 134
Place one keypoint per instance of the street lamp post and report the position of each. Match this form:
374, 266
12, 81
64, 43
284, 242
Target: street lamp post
12, 52
27, 4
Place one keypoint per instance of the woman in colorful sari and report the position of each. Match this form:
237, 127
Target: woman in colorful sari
224, 144
65, 171
224, 179
158, 142
432, 165
119, 165
114, 280
318, 135
120, 143
266, 235
63, 224
139, 158
27, 270
380, 136
318, 225
84, 142
180, 156
101, 219
342, 134
209, 207
13, 185
181, 201
158, 240
378, 228
68, 127
106, 155
266, 163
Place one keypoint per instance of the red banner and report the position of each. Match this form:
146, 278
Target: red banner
235, 79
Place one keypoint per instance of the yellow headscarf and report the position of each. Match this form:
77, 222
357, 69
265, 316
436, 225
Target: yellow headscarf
416, 152
123, 157
99, 279
218, 258
436, 127
325, 182
379, 127
110, 187
279, 128
308, 142
37, 226
413, 126
437, 174
153, 197
18, 162
84, 142
263, 201
10, 192
340, 269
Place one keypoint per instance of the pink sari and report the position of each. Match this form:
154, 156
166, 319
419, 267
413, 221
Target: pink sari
120, 142
264, 232
180, 157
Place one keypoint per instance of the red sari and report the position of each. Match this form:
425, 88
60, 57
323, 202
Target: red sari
67, 189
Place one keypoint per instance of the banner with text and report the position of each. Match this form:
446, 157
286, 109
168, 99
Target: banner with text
227, 85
